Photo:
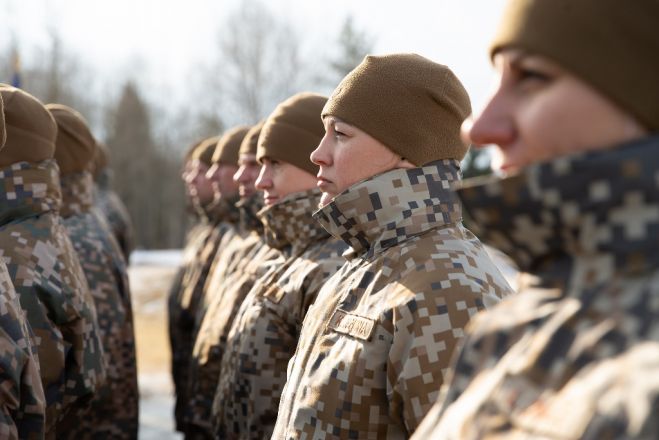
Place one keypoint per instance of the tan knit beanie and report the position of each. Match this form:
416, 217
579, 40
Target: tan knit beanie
250, 142
612, 45
204, 150
75, 146
229, 144
31, 129
409, 103
293, 131
3, 134
101, 158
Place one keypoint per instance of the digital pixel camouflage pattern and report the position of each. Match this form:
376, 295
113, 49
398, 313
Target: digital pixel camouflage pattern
250, 259
264, 334
113, 412
51, 288
180, 362
575, 355
22, 400
218, 219
115, 212
377, 342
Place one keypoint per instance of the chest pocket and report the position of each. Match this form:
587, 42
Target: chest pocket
359, 327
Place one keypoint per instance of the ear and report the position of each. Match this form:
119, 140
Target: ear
404, 163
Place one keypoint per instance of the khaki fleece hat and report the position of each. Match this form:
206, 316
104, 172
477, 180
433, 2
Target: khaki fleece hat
293, 131
31, 129
228, 146
203, 152
3, 134
250, 142
613, 45
409, 103
101, 158
75, 146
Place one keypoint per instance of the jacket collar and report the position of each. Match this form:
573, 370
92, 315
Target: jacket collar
29, 189
223, 210
390, 208
248, 209
290, 221
77, 193
601, 206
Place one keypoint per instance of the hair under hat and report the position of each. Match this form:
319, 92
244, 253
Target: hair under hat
30, 128
293, 131
613, 45
75, 145
412, 105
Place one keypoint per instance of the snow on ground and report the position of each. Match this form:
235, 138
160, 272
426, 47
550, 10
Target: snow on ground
151, 274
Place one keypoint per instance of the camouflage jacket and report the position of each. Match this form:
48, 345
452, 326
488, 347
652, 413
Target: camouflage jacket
114, 409
22, 400
186, 296
265, 332
249, 259
376, 343
115, 212
51, 287
575, 355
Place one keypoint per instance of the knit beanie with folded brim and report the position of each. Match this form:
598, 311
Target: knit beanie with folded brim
613, 45
30, 128
75, 146
250, 141
204, 151
293, 131
228, 146
410, 104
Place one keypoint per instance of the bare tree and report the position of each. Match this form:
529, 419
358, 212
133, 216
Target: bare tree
259, 62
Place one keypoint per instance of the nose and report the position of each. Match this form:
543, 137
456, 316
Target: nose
263, 181
238, 177
210, 174
320, 156
493, 125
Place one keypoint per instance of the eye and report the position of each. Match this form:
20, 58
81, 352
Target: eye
338, 132
528, 75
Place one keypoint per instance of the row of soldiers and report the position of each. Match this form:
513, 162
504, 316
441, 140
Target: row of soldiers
67, 358
330, 290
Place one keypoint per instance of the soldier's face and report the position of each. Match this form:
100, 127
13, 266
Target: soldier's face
245, 177
347, 155
221, 177
540, 111
278, 179
201, 188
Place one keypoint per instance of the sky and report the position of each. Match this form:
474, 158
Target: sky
162, 42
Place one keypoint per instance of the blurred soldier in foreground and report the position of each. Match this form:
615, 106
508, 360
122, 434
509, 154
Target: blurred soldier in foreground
109, 203
44, 267
374, 347
113, 412
576, 118
266, 328
22, 400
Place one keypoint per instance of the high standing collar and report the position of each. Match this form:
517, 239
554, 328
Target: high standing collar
602, 206
28, 190
392, 207
77, 193
290, 221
